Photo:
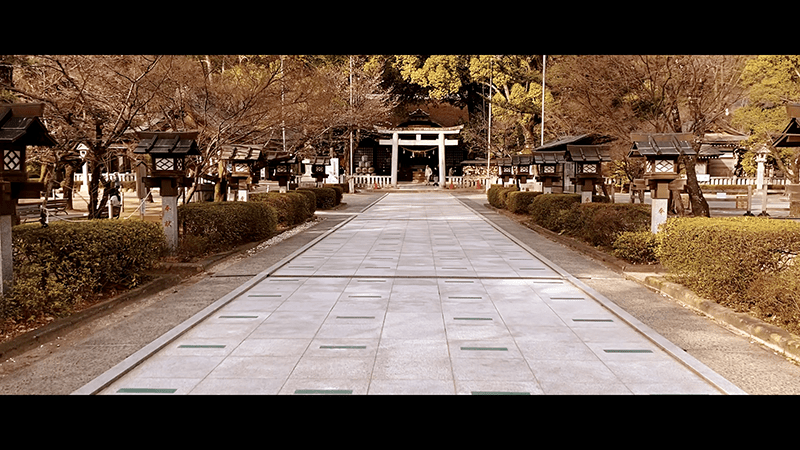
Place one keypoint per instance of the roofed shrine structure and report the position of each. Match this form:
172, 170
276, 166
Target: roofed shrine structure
419, 134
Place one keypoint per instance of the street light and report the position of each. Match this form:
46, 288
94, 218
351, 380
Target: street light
661, 150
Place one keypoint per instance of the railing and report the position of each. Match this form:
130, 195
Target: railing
122, 176
372, 180
465, 182
726, 181
742, 181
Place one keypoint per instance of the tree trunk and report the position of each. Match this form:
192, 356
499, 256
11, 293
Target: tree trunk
696, 198
68, 184
221, 188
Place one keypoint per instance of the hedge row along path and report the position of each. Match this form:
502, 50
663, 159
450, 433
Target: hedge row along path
417, 294
75, 358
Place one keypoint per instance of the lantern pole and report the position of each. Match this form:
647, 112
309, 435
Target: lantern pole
544, 68
489, 138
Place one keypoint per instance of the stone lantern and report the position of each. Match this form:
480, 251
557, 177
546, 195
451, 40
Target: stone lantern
505, 169
167, 171
550, 167
522, 167
20, 127
240, 159
281, 166
661, 150
588, 161
318, 166
791, 138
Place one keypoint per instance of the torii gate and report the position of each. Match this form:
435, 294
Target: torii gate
399, 138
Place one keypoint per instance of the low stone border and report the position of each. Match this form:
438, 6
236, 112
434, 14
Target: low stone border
167, 275
773, 337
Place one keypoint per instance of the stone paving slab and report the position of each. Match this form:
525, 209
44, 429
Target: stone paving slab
416, 295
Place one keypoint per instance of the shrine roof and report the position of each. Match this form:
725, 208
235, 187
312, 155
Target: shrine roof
661, 144
241, 152
588, 153
20, 124
167, 143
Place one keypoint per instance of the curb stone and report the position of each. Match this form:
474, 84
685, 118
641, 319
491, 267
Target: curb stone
162, 282
771, 336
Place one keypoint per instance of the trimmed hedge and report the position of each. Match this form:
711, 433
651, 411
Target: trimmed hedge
326, 197
600, 224
497, 194
310, 196
291, 207
548, 210
339, 192
637, 247
518, 202
58, 267
216, 226
730, 260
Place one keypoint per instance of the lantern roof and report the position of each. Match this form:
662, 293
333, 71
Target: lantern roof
665, 145
321, 161
167, 143
791, 134
516, 160
548, 157
588, 153
20, 124
241, 152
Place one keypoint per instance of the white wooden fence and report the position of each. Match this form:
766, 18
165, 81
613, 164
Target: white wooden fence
367, 181
122, 176
742, 181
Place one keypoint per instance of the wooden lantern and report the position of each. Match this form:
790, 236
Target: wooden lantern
168, 152
661, 150
240, 159
550, 167
588, 161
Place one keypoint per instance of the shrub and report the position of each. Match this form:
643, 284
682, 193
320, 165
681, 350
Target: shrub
518, 202
723, 258
600, 224
775, 298
58, 267
325, 196
637, 247
292, 207
345, 187
226, 224
497, 194
311, 198
339, 192
547, 210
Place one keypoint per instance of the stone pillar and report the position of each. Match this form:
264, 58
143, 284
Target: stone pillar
6, 255
442, 170
169, 220
658, 214
793, 191
394, 158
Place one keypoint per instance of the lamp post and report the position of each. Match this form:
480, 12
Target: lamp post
20, 127
661, 150
167, 171
240, 158
761, 187
588, 161
550, 169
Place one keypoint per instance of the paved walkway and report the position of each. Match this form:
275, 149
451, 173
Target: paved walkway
418, 294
